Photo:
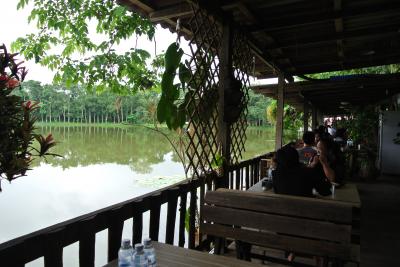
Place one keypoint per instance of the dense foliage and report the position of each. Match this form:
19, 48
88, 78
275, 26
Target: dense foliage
292, 119
63, 44
59, 104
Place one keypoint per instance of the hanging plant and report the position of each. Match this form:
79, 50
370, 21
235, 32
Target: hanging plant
233, 101
17, 122
171, 108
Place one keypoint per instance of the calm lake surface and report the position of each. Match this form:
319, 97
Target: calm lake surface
101, 166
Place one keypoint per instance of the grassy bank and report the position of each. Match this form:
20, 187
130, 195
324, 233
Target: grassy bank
78, 124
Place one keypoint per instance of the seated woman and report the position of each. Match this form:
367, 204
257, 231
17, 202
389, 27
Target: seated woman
329, 162
293, 178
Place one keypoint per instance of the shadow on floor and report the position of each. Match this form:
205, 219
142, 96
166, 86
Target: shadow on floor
380, 222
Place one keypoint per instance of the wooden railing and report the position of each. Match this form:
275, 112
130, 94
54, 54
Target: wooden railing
49, 242
245, 174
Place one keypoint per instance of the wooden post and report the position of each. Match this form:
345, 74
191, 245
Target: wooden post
306, 117
225, 75
314, 117
320, 117
279, 112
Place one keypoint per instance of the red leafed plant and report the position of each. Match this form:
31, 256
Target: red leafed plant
17, 121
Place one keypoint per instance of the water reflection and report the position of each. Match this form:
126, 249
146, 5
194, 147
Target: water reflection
101, 166
137, 147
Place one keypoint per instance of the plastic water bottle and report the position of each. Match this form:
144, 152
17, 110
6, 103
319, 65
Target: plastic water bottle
139, 258
125, 254
150, 253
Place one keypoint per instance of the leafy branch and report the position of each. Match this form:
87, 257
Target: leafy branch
66, 25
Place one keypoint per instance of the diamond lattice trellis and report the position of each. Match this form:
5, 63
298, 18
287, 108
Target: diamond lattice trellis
203, 147
242, 60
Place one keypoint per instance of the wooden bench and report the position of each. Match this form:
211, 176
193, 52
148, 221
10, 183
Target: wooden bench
297, 224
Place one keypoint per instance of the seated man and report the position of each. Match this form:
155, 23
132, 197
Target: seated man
307, 152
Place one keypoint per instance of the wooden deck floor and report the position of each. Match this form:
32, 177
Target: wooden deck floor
380, 222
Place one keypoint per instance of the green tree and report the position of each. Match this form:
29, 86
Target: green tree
66, 25
256, 108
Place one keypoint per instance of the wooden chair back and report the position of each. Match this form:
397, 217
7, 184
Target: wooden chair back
298, 224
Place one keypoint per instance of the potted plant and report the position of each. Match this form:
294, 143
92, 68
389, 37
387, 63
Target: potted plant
17, 121
362, 127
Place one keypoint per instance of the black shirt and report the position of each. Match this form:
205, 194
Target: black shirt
299, 181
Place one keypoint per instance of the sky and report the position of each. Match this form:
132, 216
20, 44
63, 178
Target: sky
17, 26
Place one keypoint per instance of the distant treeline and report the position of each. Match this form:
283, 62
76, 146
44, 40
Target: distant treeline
61, 104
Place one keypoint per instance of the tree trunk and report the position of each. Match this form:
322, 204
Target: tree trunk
122, 113
50, 113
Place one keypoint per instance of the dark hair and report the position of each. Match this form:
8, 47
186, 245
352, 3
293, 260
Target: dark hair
341, 132
287, 157
322, 129
308, 138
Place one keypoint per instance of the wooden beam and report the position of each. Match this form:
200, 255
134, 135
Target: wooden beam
146, 9
314, 119
369, 61
278, 23
179, 10
252, 19
224, 83
311, 40
339, 29
279, 113
306, 116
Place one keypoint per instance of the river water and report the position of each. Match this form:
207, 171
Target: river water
101, 166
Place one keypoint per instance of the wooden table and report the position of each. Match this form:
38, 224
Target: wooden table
168, 255
347, 193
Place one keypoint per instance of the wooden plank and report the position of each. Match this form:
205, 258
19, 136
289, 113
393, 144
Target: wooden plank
87, 243
306, 116
296, 20
192, 217
171, 215
155, 203
225, 72
178, 10
257, 165
168, 255
314, 116
237, 179
279, 113
277, 223
287, 243
137, 227
53, 249
247, 177
116, 225
182, 216
202, 195
347, 193
282, 204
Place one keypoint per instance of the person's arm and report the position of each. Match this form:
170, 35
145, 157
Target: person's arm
329, 172
313, 162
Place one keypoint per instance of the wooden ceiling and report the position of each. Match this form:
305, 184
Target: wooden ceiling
337, 94
299, 37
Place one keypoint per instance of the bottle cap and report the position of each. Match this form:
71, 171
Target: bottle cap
147, 242
139, 247
126, 242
